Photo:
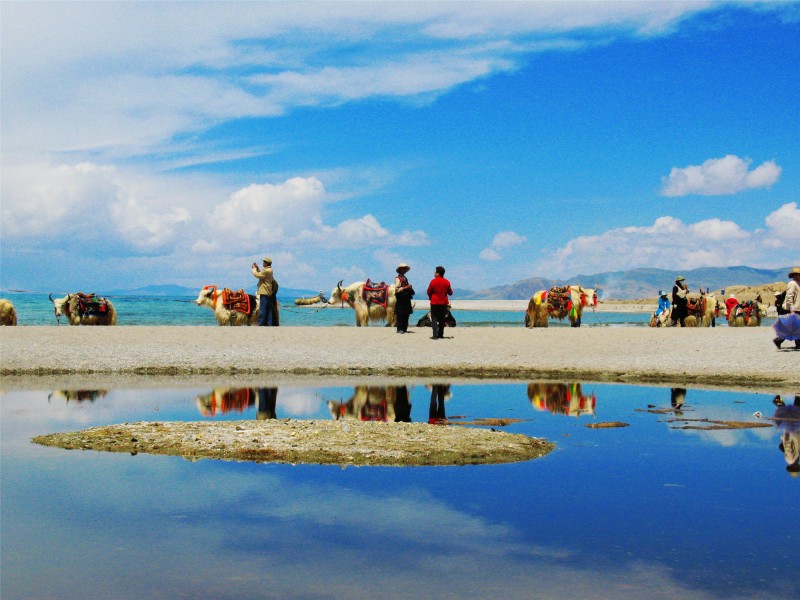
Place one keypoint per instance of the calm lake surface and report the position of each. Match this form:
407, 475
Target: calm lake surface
645, 511
36, 309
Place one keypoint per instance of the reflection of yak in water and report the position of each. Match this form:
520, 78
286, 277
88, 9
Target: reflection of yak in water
224, 400
787, 420
561, 399
374, 403
77, 395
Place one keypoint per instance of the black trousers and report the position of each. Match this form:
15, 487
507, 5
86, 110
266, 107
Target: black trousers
402, 322
438, 313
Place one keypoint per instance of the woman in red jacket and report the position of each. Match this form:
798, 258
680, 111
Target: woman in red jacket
438, 291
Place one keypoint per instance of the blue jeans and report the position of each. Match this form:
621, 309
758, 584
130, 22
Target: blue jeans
265, 315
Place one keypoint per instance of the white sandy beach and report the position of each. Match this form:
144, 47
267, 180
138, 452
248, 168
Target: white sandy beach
725, 357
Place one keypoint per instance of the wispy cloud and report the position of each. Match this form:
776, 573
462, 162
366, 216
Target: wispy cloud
671, 243
720, 176
501, 241
136, 75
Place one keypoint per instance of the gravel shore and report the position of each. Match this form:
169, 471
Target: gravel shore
719, 357
310, 442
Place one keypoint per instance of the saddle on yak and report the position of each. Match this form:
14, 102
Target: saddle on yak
238, 301
696, 305
559, 302
90, 305
747, 309
375, 293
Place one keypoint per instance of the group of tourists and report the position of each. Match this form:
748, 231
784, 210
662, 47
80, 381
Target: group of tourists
439, 290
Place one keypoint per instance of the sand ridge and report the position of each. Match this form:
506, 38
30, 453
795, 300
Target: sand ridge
740, 357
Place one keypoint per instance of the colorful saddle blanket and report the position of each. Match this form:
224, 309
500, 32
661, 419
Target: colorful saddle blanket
747, 309
696, 305
238, 301
375, 293
91, 305
559, 301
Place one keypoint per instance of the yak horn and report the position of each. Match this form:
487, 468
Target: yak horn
339, 285
50, 295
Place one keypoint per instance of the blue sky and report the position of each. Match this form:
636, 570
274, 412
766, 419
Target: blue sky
151, 143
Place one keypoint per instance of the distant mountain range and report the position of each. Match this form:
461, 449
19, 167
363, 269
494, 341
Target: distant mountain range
179, 290
613, 285
635, 283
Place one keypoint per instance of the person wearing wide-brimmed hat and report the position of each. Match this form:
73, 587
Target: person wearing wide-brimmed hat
403, 293
680, 309
791, 302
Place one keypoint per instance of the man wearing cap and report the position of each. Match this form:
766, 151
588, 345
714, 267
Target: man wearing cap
265, 292
791, 303
403, 292
679, 308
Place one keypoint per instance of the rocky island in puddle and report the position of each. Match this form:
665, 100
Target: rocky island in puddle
309, 442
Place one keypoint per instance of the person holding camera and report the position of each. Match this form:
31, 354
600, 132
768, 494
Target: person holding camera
267, 287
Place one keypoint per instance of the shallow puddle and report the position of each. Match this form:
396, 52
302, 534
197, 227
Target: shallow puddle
649, 509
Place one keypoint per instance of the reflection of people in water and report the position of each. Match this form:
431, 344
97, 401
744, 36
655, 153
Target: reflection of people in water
561, 399
677, 397
439, 393
267, 397
787, 420
402, 405
374, 403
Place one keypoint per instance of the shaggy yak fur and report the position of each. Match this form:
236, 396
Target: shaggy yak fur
8, 316
705, 318
537, 316
352, 296
68, 307
211, 297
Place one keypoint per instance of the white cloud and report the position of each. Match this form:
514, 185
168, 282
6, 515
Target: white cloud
784, 225
269, 213
142, 73
719, 176
670, 243
716, 230
501, 241
92, 203
490, 254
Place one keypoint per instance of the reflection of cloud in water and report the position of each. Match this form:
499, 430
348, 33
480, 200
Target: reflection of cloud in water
408, 545
722, 437
298, 401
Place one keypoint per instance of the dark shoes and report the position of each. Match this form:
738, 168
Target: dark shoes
777, 342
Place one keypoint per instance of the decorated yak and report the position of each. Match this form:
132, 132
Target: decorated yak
557, 303
660, 319
84, 309
703, 310
369, 301
8, 315
374, 403
746, 314
561, 398
77, 395
223, 400
230, 307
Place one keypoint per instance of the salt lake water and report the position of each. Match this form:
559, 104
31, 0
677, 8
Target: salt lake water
652, 510
36, 309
